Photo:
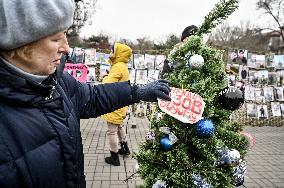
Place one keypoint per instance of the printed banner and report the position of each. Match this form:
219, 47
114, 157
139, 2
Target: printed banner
78, 71
185, 106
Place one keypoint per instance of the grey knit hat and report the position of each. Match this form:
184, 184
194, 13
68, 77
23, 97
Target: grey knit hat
26, 21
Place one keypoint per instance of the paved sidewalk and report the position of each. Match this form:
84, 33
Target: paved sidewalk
265, 160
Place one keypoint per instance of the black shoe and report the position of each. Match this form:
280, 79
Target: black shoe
113, 159
124, 149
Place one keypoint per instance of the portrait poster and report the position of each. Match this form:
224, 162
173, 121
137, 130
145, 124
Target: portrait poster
262, 112
272, 78
253, 77
263, 77
102, 58
159, 62
268, 93
251, 60
231, 80
259, 95
131, 62
251, 110
249, 93
139, 61
91, 76
78, 55
242, 57
90, 56
103, 69
150, 61
232, 56
141, 76
269, 59
279, 61
132, 74
260, 61
153, 75
280, 77
282, 109
243, 72
278, 91
275, 108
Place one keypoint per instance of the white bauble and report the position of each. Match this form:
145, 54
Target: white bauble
196, 62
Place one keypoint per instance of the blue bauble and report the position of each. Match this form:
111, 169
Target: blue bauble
166, 143
205, 128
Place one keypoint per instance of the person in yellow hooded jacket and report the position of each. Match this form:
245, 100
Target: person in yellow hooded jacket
116, 132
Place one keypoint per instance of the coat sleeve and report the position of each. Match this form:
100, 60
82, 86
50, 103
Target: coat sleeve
92, 101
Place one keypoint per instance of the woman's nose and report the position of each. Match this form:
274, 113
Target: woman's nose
64, 47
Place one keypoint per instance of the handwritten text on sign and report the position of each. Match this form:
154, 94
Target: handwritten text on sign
185, 106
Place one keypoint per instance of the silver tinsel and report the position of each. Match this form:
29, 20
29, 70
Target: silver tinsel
159, 184
239, 173
200, 182
228, 156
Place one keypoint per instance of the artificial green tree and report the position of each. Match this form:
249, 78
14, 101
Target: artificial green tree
191, 154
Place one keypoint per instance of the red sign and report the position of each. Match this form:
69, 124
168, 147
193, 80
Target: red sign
78, 71
185, 106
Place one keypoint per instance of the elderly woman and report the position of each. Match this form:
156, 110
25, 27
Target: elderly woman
40, 108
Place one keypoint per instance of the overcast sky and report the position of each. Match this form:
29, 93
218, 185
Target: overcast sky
156, 19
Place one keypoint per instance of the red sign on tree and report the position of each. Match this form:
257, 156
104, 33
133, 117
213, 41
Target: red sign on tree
185, 106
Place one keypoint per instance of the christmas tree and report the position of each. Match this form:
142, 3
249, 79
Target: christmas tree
195, 144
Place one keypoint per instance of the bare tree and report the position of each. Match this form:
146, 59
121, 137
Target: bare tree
274, 8
84, 9
243, 36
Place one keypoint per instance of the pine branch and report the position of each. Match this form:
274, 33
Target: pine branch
217, 15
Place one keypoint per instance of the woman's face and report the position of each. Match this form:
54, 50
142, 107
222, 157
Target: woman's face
46, 55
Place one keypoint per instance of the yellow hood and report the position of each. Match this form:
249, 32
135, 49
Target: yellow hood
122, 53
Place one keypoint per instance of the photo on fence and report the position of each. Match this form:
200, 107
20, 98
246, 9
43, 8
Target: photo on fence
78, 55
275, 108
272, 78
260, 61
279, 61
280, 77
104, 68
263, 77
240, 85
242, 57
102, 58
150, 61
232, 56
231, 80
249, 93
278, 91
131, 62
253, 77
269, 60
251, 110
268, 93
132, 74
259, 95
91, 76
159, 62
282, 109
251, 60
262, 112
90, 56
153, 75
141, 76
139, 61
243, 72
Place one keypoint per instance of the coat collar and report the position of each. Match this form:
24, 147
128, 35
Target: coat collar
16, 88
